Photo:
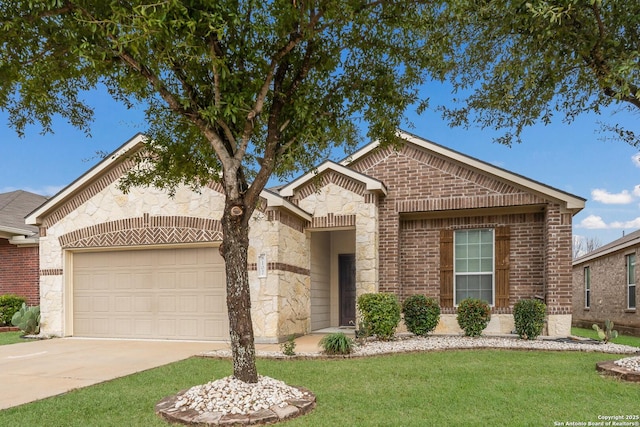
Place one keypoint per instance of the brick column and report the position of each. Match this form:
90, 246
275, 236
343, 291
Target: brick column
558, 270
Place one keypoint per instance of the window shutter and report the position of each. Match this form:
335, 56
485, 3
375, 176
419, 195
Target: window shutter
446, 268
502, 250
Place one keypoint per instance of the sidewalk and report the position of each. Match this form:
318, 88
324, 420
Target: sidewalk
304, 344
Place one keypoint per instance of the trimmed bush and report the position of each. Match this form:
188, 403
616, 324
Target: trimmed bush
473, 316
9, 305
380, 314
337, 343
528, 315
421, 314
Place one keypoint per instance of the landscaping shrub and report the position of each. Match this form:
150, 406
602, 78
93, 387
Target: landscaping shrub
27, 319
336, 343
289, 346
528, 315
473, 316
380, 314
9, 305
421, 314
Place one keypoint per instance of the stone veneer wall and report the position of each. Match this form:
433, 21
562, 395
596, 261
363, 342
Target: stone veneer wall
608, 293
342, 203
108, 217
280, 301
145, 217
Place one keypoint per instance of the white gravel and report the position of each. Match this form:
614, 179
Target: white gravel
632, 363
412, 343
230, 396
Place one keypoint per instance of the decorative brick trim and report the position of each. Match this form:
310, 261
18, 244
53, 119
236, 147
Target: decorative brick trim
286, 219
51, 272
371, 198
326, 178
216, 186
462, 171
472, 222
144, 230
43, 231
443, 164
98, 185
280, 266
453, 203
372, 158
332, 220
88, 192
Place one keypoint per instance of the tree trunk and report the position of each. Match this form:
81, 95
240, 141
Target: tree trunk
235, 244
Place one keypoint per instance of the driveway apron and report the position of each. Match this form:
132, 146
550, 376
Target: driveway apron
35, 370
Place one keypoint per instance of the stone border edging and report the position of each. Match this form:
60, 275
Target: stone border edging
610, 368
294, 408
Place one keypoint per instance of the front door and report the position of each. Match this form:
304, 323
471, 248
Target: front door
347, 289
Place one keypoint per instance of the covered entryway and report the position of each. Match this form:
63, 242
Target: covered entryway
333, 279
173, 293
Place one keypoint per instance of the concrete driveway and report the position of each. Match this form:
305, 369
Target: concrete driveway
31, 371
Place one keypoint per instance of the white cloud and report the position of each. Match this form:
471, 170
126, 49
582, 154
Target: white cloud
634, 223
603, 196
593, 222
636, 159
636, 190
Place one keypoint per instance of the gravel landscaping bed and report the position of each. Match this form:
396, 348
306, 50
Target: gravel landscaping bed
227, 396
451, 342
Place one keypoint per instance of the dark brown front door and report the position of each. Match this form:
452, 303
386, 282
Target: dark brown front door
347, 285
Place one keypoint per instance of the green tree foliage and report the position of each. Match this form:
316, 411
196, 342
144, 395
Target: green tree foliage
520, 62
234, 91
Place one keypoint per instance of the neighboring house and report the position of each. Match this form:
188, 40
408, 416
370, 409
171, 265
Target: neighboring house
604, 286
19, 272
145, 265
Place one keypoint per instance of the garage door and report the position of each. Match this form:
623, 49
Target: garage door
174, 293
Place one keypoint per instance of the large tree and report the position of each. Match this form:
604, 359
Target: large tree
234, 91
518, 62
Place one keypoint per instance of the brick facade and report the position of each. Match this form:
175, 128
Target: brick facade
19, 273
420, 257
608, 292
428, 193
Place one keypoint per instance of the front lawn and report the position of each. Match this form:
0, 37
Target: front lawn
622, 339
10, 337
471, 387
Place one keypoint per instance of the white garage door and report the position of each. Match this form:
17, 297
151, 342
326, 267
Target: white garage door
176, 293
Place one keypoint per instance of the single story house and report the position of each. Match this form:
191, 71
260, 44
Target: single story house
604, 286
19, 255
416, 219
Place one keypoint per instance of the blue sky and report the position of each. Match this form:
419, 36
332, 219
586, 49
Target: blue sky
570, 157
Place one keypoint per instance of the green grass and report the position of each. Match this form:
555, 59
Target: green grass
470, 388
622, 339
10, 338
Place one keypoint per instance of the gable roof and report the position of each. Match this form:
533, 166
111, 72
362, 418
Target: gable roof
630, 240
14, 206
131, 146
371, 184
573, 203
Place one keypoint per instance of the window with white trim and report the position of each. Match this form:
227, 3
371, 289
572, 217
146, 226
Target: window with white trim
587, 287
474, 265
631, 281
